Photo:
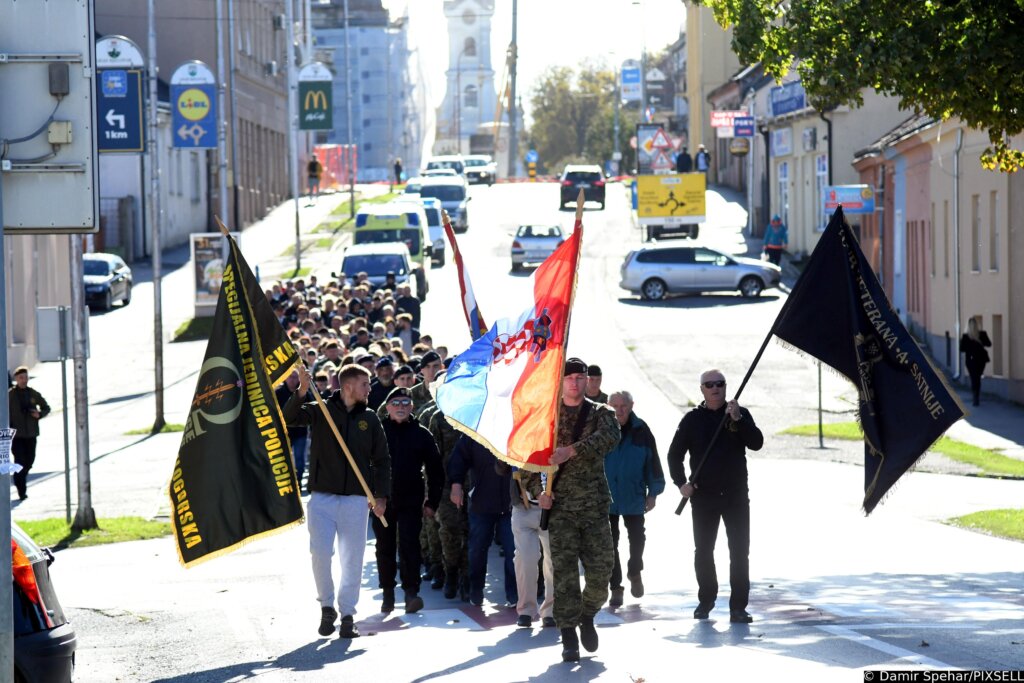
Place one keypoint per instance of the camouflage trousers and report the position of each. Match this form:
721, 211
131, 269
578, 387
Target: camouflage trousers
454, 536
580, 537
430, 542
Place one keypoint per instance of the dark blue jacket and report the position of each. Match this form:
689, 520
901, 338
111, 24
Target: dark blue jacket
633, 469
490, 494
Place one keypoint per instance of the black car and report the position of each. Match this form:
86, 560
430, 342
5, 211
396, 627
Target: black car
588, 178
44, 642
107, 279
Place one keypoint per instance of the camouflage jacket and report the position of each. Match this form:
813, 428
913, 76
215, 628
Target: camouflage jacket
581, 484
421, 399
446, 437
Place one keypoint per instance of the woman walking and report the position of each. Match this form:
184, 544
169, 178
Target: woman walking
972, 345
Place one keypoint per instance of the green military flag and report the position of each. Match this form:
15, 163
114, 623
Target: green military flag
234, 479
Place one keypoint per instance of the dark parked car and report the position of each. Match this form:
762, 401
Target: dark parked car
44, 642
588, 178
107, 279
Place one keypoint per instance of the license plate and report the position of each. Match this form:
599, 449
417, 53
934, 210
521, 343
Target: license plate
585, 186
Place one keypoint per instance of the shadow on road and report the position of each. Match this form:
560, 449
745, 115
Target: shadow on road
308, 658
699, 300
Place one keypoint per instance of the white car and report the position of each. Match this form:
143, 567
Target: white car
534, 243
480, 168
654, 272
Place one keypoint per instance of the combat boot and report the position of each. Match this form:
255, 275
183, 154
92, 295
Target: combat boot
588, 634
438, 577
617, 596
413, 603
451, 584
570, 645
464, 588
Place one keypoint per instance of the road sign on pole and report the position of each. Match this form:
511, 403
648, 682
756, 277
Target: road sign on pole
743, 126
629, 79
194, 106
119, 109
316, 105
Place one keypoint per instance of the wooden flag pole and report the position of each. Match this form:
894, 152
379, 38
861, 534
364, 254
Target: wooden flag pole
550, 485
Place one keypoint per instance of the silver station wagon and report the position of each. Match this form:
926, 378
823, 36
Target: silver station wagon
657, 271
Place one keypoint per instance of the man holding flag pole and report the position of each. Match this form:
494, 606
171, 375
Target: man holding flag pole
507, 392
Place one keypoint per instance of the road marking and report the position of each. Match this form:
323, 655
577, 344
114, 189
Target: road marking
906, 656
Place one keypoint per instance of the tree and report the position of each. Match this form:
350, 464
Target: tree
573, 117
943, 58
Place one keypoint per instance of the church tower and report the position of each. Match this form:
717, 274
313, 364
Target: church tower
470, 97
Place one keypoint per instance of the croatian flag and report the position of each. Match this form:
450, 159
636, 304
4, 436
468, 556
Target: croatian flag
503, 391
477, 326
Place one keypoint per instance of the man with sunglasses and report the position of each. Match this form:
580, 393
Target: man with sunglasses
413, 451
718, 491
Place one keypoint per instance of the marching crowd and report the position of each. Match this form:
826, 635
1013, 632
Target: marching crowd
440, 499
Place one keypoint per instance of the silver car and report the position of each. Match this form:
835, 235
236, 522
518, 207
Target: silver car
534, 243
654, 272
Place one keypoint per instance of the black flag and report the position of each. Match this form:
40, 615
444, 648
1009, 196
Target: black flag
838, 313
234, 479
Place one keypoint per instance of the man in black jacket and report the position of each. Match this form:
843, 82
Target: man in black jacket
27, 406
337, 505
718, 492
413, 451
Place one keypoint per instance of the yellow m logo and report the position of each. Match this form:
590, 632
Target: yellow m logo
315, 99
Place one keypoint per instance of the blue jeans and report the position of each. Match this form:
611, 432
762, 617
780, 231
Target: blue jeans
481, 534
299, 455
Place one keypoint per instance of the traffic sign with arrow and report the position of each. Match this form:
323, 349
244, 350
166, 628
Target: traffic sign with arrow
119, 109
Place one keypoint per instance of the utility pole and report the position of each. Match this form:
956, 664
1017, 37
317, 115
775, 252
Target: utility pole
616, 151
348, 116
235, 215
293, 146
513, 112
85, 516
154, 227
222, 125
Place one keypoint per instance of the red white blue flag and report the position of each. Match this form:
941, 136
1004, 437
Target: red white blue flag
477, 326
504, 390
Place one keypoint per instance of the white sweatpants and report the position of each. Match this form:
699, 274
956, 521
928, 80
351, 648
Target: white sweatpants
344, 518
529, 540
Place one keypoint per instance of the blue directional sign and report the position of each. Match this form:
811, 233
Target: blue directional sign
194, 115
119, 111
743, 126
532, 156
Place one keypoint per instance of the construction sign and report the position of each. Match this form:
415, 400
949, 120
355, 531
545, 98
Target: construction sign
654, 149
674, 199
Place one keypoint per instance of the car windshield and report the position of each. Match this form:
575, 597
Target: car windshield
95, 267
539, 231
410, 237
454, 165
476, 162
374, 264
582, 176
433, 217
446, 193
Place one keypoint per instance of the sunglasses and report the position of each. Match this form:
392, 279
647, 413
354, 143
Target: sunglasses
717, 384
401, 403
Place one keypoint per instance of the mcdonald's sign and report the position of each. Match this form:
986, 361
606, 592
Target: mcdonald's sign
315, 105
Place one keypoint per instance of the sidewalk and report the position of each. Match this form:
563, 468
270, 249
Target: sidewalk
996, 424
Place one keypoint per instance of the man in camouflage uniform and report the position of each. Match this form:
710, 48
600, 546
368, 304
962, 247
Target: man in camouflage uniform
578, 526
430, 536
454, 521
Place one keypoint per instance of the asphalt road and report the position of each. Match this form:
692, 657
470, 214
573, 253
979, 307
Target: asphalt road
833, 592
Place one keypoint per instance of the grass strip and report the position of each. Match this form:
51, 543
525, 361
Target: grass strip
57, 534
195, 329
1002, 523
171, 427
991, 463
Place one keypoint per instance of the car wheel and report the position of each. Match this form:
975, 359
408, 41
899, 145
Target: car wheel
694, 231
516, 267
421, 285
602, 206
751, 287
127, 296
654, 289
108, 300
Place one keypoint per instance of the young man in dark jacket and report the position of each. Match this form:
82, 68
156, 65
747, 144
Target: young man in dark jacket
490, 507
27, 406
337, 505
718, 493
413, 452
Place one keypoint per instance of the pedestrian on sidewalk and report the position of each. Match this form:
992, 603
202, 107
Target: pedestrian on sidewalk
398, 171
336, 512
972, 345
314, 171
719, 492
684, 162
776, 240
27, 406
703, 159
635, 479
